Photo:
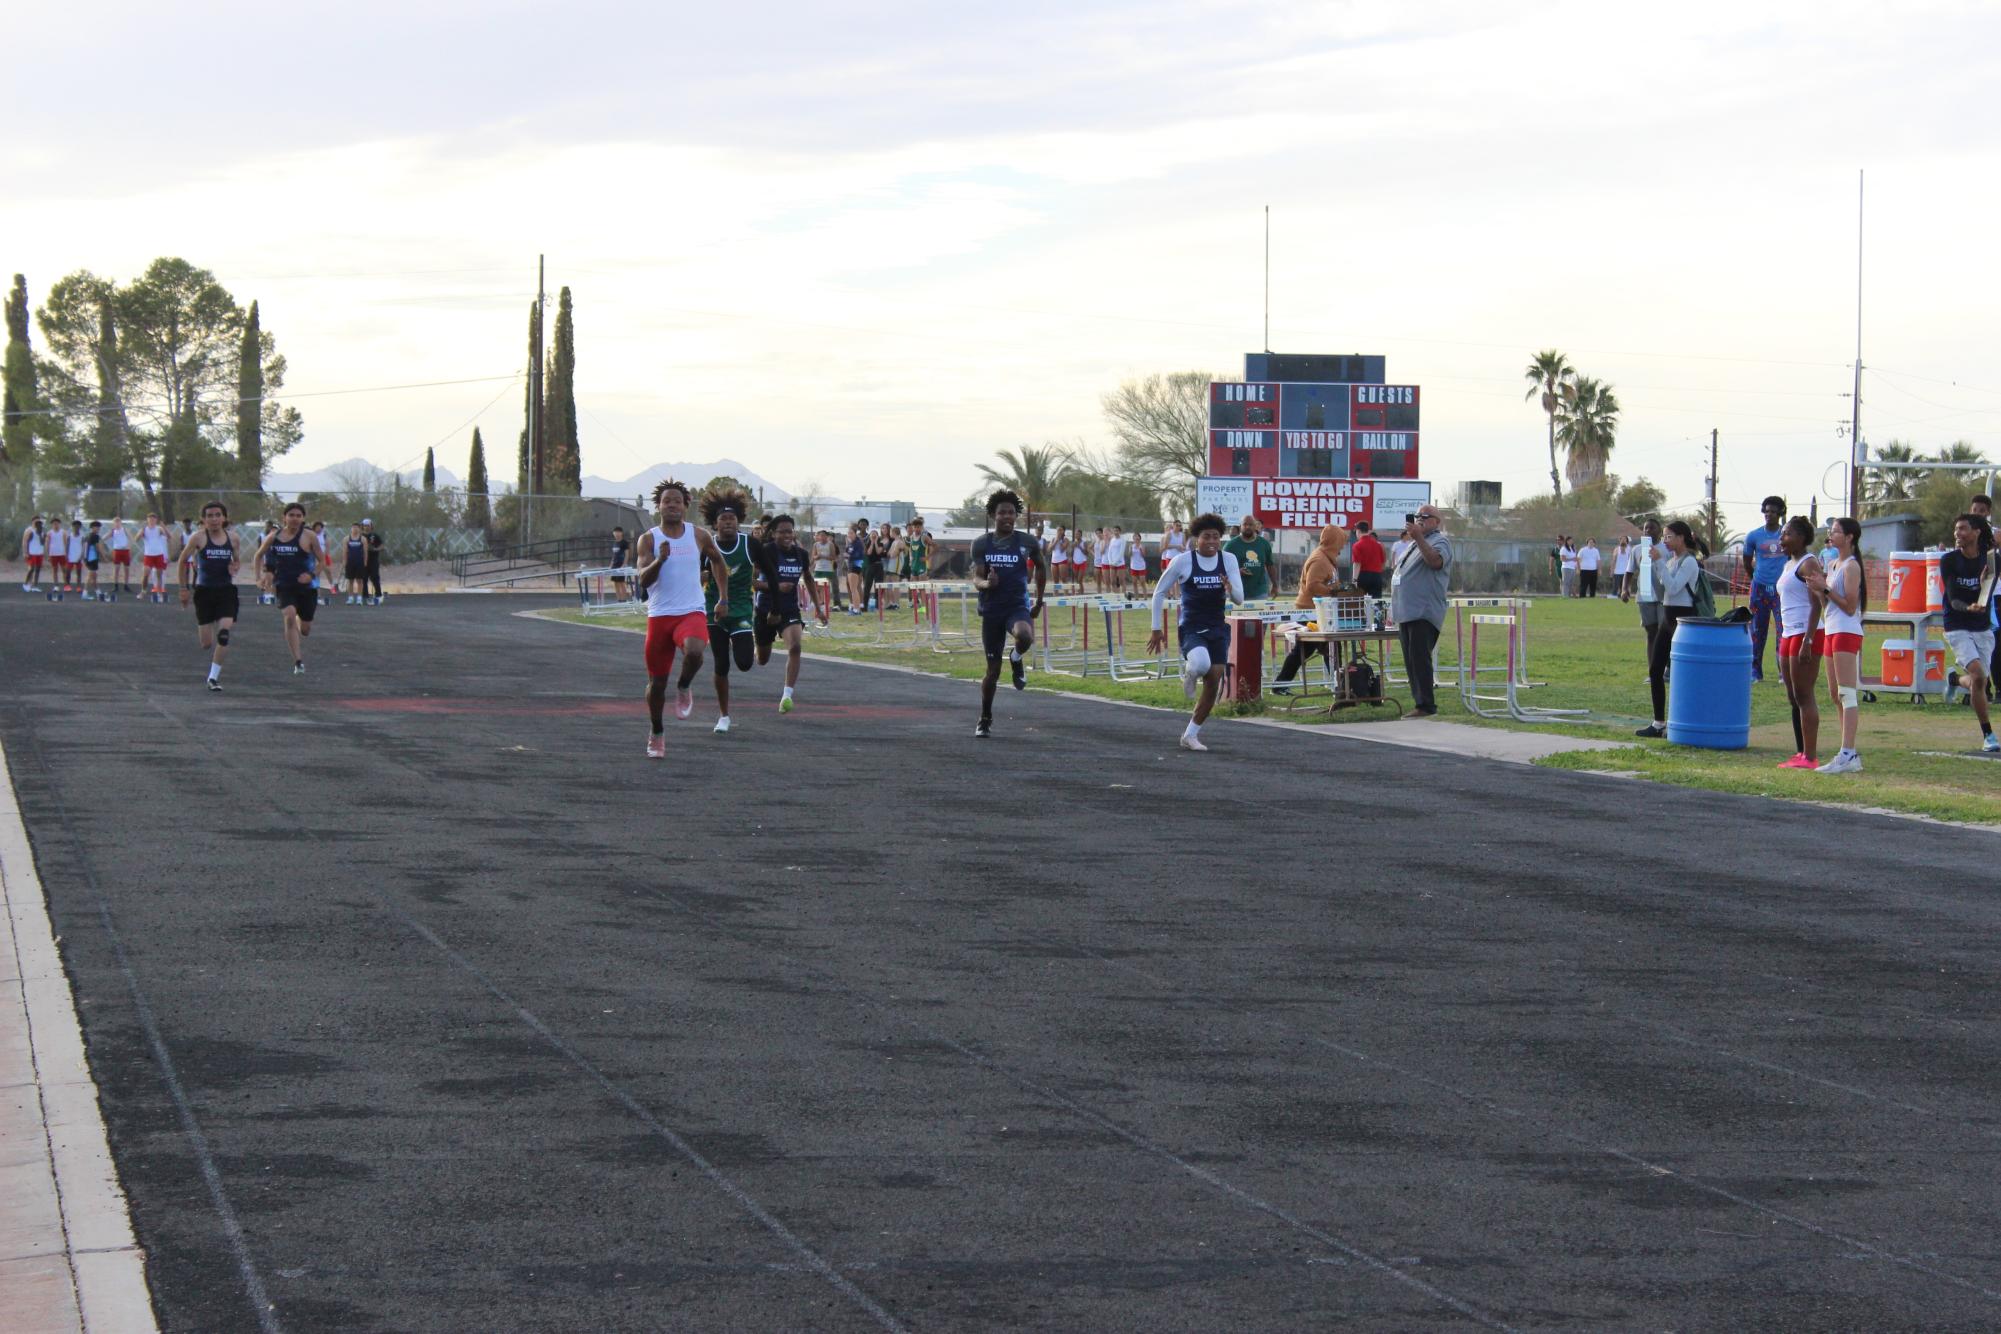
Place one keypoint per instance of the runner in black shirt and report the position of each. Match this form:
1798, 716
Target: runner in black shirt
1969, 575
211, 560
621, 556
1002, 560
789, 587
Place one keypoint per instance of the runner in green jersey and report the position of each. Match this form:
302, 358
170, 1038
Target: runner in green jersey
731, 637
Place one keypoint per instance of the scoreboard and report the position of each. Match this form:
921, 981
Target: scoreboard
1283, 420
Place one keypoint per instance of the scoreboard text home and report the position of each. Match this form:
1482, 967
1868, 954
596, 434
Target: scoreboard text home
1312, 416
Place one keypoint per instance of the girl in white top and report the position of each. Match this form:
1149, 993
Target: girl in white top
1800, 641
1059, 558
1846, 597
1136, 564
1568, 554
1173, 542
1622, 568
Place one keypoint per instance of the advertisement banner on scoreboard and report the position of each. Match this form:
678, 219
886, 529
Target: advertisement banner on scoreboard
1304, 503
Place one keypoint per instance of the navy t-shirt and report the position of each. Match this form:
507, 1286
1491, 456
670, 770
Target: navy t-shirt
1962, 575
1009, 560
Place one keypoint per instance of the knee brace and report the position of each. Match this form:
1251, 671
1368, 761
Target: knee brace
1198, 660
222, 637
1850, 696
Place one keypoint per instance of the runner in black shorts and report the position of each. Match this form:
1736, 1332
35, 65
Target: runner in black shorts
211, 554
788, 576
289, 555
730, 635
1002, 560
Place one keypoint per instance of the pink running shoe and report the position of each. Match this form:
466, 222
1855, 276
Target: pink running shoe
656, 746
1799, 762
684, 703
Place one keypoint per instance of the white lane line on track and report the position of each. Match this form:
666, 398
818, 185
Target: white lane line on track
1498, 1108
232, 1228
811, 1258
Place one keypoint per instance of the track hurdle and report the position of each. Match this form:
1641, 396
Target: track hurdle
1508, 703
1449, 674
597, 595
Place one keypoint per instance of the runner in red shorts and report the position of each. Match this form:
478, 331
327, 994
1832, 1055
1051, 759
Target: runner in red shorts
120, 543
153, 541
34, 549
1800, 604
670, 559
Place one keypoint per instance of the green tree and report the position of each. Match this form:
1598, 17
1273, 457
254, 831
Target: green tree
88, 435
1587, 428
1896, 485
1549, 374
1639, 501
18, 400
250, 403
562, 470
1032, 472
1161, 425
164, 355
431, 470
479, 512
1942, 496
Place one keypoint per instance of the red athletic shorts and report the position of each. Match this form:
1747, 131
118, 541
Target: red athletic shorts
156, 562
666, 634
34, 562
1792, 646
1839, 643
123, 557
60, 562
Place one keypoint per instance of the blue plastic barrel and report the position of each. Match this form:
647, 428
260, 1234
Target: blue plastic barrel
1709, 689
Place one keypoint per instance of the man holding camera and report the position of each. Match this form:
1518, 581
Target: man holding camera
1417, 602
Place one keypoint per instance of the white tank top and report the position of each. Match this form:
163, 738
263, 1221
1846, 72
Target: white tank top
75, 547
155, 541
678, 590
34, 543
1833, 619
118, 538
1795, 600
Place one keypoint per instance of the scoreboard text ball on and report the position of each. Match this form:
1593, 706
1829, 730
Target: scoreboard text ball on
1313, 416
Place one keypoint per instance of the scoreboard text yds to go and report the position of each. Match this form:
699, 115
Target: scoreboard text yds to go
1301, 503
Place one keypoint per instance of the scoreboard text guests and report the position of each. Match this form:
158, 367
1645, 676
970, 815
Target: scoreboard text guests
1284, 420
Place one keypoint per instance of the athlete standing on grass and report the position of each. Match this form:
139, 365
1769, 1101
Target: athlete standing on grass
672, 557
288, 557
1002, 560
787, 574
1845, 593
1801, 643
211, 555
1206, 576
731, 636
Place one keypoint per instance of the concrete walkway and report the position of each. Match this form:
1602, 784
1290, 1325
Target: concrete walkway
68, 1260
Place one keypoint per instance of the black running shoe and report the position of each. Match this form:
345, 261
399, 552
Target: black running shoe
1652, 729
984, 728
215, 685
1020, 673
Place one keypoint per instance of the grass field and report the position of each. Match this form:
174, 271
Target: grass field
1920, 759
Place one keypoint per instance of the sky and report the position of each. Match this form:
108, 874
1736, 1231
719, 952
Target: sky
862, 247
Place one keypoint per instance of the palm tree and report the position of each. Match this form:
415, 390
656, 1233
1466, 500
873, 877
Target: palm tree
1588, 429
1032, 471
1549, 374
1894, 485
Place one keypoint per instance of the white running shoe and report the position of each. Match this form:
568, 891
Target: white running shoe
1990, 744
722, 725
1848, 763
684, 703
1192, 743
656, 746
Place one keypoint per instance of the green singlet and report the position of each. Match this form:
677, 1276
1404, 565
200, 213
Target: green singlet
913, 556
741, 570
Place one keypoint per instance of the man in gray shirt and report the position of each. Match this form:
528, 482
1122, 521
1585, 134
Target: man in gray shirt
1417, 601
1649, 556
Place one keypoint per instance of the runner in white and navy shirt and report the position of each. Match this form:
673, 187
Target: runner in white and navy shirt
1208, 579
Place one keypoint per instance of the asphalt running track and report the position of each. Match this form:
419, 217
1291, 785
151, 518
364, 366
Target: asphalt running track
421, 1000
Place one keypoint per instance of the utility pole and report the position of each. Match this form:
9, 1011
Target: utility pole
1267, 279
1712, 489
1856, 451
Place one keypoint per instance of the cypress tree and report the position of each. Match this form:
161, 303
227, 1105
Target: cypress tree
250, 404
478, 513
17, 399
564, 469
430, 470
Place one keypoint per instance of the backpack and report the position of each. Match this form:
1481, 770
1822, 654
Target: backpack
1701, 597
1361, 679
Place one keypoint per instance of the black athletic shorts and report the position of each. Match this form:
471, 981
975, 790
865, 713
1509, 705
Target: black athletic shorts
996, 630
356, 570
302, 598
214, 604
771, 623
725, 642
